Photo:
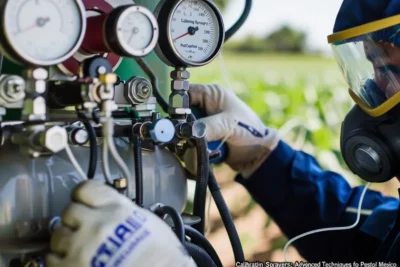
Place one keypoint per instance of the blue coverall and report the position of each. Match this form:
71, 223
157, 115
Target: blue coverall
294, 190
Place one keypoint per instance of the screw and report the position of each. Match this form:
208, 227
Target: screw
145, 90
101, 70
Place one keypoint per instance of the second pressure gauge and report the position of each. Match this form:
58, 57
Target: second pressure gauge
192, 34
41, 32
130, 31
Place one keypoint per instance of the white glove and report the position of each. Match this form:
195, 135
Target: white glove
249, 141
104, 228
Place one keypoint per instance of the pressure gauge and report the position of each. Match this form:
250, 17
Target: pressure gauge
193, 32
130, 31
41, 32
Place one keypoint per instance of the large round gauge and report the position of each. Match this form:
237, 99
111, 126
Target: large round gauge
130, 31
41, 32
193, 32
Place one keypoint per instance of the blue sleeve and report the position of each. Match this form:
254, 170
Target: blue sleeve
294, 190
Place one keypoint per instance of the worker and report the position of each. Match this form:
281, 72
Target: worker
290, 185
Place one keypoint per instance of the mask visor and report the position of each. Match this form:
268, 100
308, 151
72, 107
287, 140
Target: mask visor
370, 64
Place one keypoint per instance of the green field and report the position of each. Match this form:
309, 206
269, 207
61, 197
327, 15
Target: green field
304, 96
271, 68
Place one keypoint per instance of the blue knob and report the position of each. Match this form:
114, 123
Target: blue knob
162, 131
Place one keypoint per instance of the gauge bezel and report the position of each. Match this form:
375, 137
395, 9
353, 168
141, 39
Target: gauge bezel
116, 43
165, 47
18, 57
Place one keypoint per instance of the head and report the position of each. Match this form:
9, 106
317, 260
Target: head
366, 45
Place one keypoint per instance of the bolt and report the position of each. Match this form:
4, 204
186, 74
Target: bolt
12, 87
137, 90
145, 90
54, 139
180, 75
179, 100
121, 183
180, 85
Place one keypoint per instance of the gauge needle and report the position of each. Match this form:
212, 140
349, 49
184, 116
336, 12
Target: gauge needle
28, 28
191, 31
40, 22
134, 31
183, 35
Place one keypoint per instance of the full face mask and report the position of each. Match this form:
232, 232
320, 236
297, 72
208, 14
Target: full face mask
369, 59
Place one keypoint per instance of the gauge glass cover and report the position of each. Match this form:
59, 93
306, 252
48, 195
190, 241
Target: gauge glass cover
43, 31
194, 31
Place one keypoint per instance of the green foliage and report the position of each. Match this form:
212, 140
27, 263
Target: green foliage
286, 39
303, 96
221, 3
283, 40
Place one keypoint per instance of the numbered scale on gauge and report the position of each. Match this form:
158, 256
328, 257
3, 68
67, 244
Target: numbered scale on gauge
41, 32
136, 30
195, 32
129, 31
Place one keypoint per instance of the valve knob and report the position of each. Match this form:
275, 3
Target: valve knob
162, 131
78, 136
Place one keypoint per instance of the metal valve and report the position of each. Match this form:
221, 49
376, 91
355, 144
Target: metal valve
52, 139
137, 90
189, 130
78, 136
160, 130
12, 89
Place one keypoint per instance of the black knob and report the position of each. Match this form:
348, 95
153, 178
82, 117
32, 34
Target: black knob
95, 66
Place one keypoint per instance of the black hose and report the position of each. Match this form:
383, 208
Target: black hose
203, 168
226, 218
176, 218
239, 23
154, 83
200, 195
92, 143
198, 239
137, 149
200, 257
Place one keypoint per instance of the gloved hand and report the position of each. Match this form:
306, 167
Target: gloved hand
249, 141
104, 228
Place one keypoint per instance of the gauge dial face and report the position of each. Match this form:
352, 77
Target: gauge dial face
44, 32
195, 31
137, 31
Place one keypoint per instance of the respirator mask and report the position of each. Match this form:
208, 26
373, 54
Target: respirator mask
369, 58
